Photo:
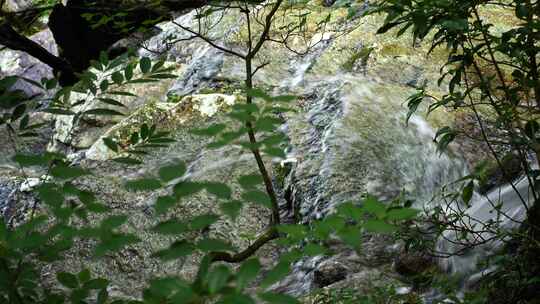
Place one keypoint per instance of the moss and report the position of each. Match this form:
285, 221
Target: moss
362, 54
492, 174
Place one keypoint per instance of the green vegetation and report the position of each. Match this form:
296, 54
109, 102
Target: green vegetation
491, 74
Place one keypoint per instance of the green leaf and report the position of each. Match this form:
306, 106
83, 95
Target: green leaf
177, 250
58, 111
249, 182
121, 93
127, 160
374, 206
145, 131
18, 112
186, 188
312, 249
24, 122
145, 64
7, 82
3, 230
113, 221
284, 98
128, 72
111, 144
84, 275
203, 221
277, 273
103, 296
402, 214
104, 85
171, 227
247, 272
30, 160
114, 243
117, 77
106, 112
351, 236
163, 203
293, 231
171, 172
96, 284
257, 197
218, 189
208, 245
104, 58
349, 210
50, 195
217, 278
276, 152
143, 184
413, 102
258, 93
67, 279
112, 102
231, 209
65, 172
163, 76
379, 226
467, 192
278, 298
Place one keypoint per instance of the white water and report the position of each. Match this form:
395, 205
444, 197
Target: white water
514, 201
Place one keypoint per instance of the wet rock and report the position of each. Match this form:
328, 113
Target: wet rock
16, 5
413, 263
496, 175
21, 64
29, 184
329, 273
8, 189
170, 116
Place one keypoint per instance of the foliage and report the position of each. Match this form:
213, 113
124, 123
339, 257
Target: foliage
47, 236
491, 74
68, 213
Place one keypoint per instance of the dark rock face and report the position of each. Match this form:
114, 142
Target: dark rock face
27, 66
411, 264
329, 273
509, 170
80, 41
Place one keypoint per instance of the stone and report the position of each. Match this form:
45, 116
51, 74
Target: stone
23, 65
16, 5
413, 263
329, 273
169, 115
29, 184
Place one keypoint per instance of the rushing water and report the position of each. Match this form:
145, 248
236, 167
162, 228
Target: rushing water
514, 200
349, 139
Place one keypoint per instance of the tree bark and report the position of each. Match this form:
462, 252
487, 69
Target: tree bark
15, 41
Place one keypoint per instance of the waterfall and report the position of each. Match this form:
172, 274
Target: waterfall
514, 199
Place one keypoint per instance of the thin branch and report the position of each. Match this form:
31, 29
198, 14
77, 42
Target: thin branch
207, 40
266, 237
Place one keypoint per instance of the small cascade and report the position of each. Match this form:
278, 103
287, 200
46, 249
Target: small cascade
514, 199
355, 141
300, 67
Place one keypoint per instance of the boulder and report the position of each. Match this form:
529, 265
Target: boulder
329, 273
169, 115
16, 5
413, 263
21, 64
